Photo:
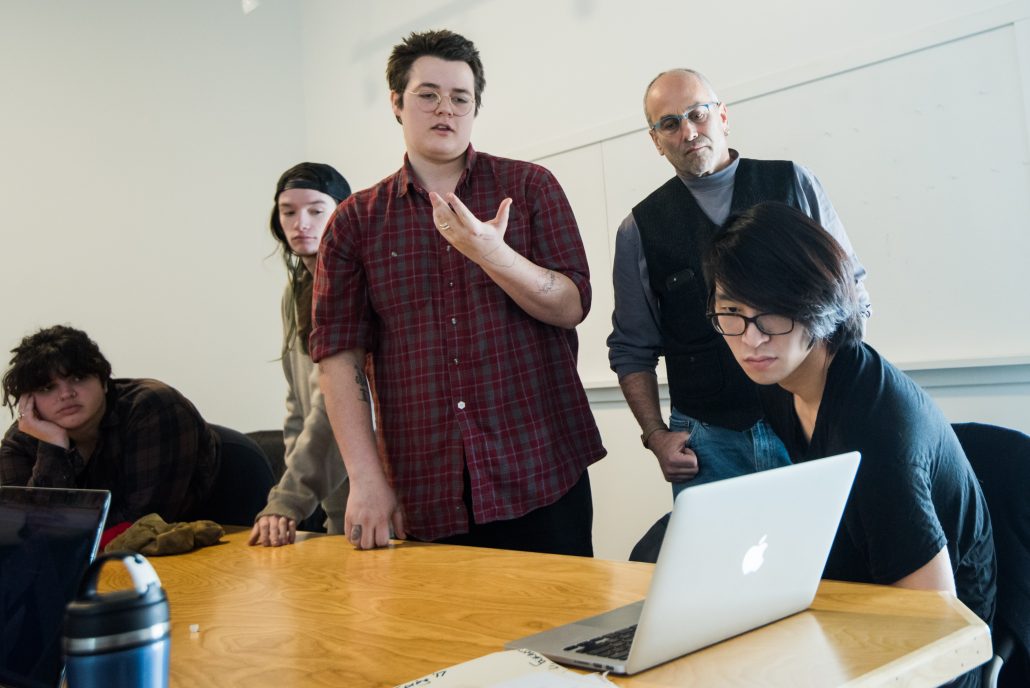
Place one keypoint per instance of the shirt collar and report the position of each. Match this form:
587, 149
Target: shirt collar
406, 178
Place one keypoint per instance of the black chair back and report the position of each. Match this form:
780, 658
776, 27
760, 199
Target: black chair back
273, 445
244, 479
648, 547
1001, 460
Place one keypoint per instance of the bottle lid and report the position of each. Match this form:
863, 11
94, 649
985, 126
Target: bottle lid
96, 622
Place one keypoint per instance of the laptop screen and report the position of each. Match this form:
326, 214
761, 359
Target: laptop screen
48, 537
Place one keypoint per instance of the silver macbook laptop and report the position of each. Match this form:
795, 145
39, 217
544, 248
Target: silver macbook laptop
738, 554
48, 537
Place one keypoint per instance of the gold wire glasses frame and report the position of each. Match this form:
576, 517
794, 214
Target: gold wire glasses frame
670, 124
428, 100
735, 324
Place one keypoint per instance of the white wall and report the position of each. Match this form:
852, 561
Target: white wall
140, 143
139, 148
566, 77
574, 70
914, 209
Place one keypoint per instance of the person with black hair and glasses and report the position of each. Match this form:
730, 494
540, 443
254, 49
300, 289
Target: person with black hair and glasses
305, 198
79, 427
782, 295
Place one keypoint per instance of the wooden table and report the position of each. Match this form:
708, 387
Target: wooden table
319, 613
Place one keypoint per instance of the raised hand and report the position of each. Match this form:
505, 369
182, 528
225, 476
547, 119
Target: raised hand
479, 241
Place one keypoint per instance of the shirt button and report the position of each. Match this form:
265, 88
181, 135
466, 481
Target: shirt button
455, 361
448, 247
454, 321
461, 405
450, 284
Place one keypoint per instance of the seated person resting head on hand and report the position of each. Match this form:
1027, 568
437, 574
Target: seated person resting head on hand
783, 296
78, 427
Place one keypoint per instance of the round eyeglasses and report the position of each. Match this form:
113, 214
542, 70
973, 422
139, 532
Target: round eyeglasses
735, 324
428, 100
669, 125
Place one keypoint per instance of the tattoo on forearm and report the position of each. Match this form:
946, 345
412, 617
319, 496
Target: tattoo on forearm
548, 282
362, 382
504, 260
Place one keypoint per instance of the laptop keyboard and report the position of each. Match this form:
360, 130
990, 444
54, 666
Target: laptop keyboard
614, 645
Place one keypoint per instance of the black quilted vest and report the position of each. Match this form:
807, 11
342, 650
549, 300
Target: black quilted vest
705, 381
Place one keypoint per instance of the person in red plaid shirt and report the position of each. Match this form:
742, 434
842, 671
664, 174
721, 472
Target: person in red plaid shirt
464, 275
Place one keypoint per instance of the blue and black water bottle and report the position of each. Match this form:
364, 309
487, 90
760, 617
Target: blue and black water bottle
119, 638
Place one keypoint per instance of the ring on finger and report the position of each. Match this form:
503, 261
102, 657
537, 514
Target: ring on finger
444, 226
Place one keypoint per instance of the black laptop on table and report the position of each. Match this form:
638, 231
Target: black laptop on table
48, 537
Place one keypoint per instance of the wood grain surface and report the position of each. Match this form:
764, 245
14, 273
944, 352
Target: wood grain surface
319, 613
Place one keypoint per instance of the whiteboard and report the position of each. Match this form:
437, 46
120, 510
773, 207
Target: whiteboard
581, 175
925, 156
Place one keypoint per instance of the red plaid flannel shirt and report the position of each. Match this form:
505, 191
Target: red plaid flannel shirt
463, 374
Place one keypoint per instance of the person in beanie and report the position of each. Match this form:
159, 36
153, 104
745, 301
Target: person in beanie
305, 198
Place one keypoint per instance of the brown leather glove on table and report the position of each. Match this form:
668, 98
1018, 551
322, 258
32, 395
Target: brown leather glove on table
151, 536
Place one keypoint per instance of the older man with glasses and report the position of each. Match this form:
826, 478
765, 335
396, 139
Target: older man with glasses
715, 428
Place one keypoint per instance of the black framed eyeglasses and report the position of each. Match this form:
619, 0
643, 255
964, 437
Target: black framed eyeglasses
735, 324
429, 100
669, 125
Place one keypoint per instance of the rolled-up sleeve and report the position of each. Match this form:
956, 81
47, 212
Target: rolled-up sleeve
341, 312
556, 243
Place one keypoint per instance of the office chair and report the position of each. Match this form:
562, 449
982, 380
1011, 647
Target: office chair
273, 445
1000, 457
650, 544
244, 479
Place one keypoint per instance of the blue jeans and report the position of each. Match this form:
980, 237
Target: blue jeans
723, 453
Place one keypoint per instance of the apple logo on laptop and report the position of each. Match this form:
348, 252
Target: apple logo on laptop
754, 557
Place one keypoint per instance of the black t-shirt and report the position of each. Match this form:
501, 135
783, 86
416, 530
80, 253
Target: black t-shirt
915, 491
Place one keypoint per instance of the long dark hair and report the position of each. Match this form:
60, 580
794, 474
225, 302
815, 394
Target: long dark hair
778, 260
319, 177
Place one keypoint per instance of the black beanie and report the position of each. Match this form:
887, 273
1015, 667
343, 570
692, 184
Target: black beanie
314, 175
